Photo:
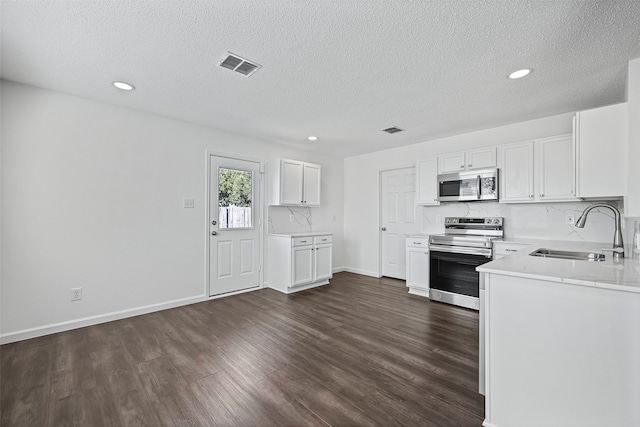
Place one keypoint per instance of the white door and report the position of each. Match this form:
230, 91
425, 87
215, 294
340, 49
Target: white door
398, 218
234, 225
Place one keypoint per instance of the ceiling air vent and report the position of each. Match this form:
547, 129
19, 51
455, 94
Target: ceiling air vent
392, 129
239, 65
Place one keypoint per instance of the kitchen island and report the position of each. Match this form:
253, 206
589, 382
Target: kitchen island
561, 339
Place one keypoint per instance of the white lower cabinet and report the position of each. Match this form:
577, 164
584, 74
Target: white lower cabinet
418, 265
299, 262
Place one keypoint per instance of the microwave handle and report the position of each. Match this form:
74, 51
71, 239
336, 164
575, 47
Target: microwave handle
479, 187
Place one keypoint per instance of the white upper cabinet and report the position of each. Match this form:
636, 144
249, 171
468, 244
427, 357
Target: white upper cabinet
294, 183
427, 188
601, 146
454, 162
516, 172
481, 158
537, 171
311, 185
554, 162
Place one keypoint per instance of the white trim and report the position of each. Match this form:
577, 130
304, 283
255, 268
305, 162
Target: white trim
338, 269
419, 292
363, 272
228, 294
262, 209
95, 320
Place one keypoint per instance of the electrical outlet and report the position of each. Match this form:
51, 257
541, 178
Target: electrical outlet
438, 218
569, 219
188, 203
76, 294
292, 218
334, 217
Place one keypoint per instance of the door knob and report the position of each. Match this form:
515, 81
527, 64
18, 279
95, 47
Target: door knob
384, 228
213, 233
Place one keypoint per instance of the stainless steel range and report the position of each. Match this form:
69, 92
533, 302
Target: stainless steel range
454, 256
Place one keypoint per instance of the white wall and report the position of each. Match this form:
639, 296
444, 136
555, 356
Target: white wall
533, 221
632, 202
92, 197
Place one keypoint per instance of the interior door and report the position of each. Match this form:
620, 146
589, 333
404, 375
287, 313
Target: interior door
398, 218
234, 225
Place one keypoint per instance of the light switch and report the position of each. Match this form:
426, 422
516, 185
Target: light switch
188, 203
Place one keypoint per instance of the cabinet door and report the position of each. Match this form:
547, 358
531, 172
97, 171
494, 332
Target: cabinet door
516, 172
418, 268
554, 159
453, 162
427, 190
302, 265
291, 172
311, 179
601, 147
482, 158
322, 264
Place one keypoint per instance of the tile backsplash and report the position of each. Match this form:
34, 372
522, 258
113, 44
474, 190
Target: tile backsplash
284, 219
532, 221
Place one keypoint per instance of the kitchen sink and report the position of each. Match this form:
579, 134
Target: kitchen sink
579, 256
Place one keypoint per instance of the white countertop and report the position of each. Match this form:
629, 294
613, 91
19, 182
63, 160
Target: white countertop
302, 234
622, 275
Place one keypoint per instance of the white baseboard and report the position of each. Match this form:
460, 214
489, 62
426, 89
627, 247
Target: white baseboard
338, 269
419, 292
94, 320
363, 272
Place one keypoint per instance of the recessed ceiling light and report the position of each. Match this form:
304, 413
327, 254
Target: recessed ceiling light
123, 86
520, 73
312, 138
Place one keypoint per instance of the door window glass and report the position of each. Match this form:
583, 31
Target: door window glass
235, 190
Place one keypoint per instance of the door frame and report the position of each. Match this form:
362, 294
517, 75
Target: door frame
207, 211
380, 171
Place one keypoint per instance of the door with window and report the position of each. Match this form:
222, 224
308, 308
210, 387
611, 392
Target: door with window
234, 225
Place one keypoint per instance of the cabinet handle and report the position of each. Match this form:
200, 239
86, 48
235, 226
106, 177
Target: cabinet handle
303, 241
461, 166
541, 195
511, 250
417, 243
531, 196
469, 165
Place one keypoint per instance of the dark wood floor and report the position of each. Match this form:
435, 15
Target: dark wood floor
360, 351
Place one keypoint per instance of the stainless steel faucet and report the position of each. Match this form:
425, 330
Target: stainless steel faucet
618, 244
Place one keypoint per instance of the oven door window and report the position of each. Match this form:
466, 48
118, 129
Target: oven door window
456, 273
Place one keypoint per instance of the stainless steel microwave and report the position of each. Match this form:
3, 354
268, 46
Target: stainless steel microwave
468, 186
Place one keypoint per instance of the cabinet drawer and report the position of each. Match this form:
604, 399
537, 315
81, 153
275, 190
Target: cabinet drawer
418, 242
322, 239
301, 241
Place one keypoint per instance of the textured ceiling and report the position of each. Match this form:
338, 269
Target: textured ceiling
342, 70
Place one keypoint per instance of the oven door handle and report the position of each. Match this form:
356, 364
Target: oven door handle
479, 187
460, 250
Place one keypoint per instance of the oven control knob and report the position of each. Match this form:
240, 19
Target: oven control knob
496, 221
487, 221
